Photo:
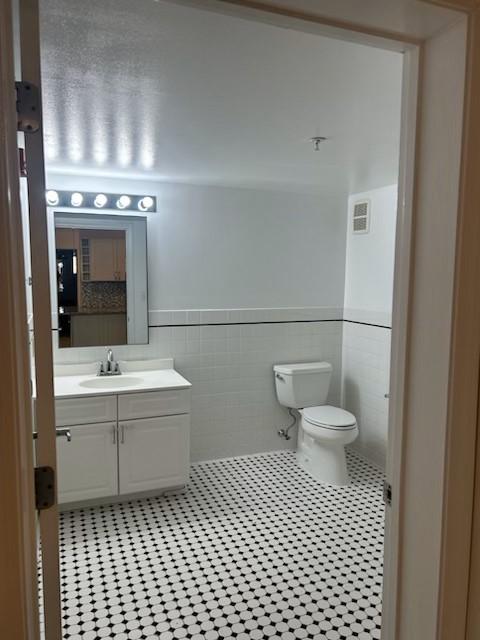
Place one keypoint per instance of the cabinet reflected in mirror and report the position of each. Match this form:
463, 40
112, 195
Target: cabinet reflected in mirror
100, 280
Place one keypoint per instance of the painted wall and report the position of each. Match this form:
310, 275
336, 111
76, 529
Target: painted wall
370, 259
368, 300
222, 248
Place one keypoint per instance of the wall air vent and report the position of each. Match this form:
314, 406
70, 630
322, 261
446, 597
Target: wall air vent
361, 217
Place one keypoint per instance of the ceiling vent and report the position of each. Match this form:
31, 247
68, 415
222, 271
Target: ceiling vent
361, 217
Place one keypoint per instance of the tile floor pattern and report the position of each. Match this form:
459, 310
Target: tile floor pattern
255, 548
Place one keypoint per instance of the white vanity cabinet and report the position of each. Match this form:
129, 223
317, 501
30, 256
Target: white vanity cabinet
123, 443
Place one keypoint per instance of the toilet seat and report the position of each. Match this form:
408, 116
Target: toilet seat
329, 417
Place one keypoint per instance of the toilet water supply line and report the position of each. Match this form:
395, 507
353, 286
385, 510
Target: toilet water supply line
283, 433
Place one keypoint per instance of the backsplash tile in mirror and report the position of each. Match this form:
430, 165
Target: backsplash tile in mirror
111, 296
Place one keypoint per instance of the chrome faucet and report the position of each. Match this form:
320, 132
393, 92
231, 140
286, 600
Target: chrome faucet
110, 367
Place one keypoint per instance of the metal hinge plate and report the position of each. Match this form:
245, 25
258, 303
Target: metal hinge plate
28, 107
387, 493
44, 487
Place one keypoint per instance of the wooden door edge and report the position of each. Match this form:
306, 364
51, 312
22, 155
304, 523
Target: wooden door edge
19, 596
42, 318
473, 610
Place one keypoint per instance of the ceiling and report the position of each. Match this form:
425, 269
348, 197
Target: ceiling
157, 90
409, 18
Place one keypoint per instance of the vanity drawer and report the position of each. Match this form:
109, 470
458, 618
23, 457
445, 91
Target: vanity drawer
153, 403
71, 411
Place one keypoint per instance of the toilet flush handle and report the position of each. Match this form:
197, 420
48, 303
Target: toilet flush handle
280, 377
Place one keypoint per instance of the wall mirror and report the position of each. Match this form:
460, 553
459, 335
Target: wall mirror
99, 277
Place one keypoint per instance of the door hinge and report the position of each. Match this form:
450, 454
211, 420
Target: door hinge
44, 487
28, 107
387, 493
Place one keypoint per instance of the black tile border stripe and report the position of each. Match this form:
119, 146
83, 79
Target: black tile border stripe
369, 324
228, 324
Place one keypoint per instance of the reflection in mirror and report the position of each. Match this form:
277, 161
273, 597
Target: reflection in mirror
100, 279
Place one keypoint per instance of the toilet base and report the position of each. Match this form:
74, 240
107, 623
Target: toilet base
326, 462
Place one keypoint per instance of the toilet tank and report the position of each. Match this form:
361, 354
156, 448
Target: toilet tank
304, 384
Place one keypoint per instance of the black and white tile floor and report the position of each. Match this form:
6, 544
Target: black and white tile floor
255, 548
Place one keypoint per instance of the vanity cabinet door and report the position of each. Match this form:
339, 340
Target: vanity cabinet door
87, 466
153, 453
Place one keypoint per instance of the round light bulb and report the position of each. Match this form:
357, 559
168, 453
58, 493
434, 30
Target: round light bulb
76, 199
145, 203
52, 198
100, 200
123, 202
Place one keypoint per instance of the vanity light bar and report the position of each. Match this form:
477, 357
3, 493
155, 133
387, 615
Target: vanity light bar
100, 200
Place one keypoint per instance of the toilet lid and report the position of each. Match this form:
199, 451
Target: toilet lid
327, 416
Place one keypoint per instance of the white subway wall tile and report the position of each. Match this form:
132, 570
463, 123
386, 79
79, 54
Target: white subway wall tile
234, 408
234, 405
163, 317
365, 375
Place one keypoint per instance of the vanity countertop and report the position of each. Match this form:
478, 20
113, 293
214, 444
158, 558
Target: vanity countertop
136, 377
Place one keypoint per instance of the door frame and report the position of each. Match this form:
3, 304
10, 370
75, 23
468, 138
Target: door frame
459, 559
465, 349
404, 240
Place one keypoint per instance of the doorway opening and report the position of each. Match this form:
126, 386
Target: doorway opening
172, 329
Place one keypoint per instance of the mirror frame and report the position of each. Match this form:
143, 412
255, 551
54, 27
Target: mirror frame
135, 228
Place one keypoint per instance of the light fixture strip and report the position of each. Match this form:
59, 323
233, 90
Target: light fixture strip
101, 200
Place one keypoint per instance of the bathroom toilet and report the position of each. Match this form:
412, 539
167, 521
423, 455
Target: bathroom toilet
324, 430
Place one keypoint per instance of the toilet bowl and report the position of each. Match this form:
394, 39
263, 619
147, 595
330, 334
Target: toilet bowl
324, 431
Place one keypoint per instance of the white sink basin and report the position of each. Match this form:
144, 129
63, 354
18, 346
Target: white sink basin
111, 382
